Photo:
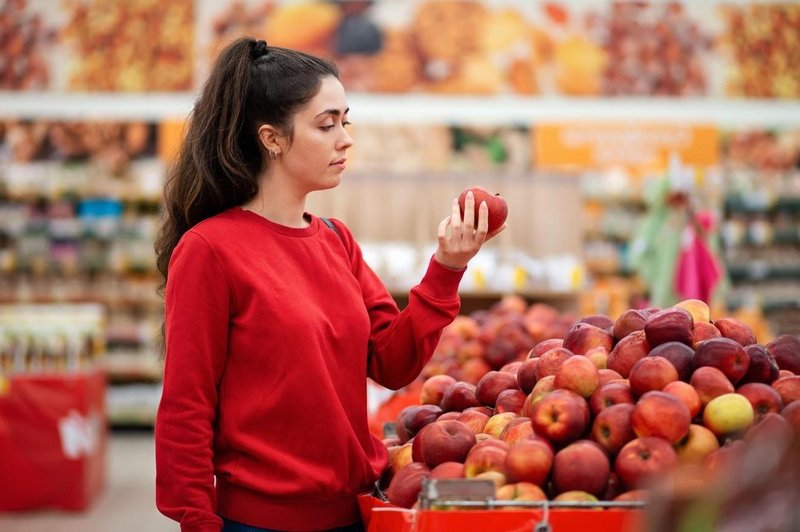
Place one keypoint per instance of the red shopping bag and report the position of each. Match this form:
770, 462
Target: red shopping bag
52, 441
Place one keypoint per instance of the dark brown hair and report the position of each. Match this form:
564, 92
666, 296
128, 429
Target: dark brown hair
221, 157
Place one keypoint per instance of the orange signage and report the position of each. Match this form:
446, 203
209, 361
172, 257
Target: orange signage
577, 146
170, 136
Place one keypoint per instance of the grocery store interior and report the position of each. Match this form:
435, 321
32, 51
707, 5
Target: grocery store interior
648, 152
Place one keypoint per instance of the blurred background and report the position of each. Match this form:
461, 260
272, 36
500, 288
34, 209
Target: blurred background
617, 132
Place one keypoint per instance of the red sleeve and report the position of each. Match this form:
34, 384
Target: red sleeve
401, 343
197, 303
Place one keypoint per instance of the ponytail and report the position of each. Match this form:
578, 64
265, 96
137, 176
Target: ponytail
221, 158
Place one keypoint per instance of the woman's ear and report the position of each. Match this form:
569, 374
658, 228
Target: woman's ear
269, 138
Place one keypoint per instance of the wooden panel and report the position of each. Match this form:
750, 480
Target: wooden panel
544, 212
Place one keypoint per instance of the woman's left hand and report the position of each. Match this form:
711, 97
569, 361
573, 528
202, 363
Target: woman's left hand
459, 239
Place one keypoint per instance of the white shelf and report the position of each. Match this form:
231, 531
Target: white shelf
421, 108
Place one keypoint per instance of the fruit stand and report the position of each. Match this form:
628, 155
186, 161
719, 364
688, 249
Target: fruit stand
625, 424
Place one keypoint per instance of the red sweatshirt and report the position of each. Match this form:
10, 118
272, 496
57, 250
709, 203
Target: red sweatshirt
271, 332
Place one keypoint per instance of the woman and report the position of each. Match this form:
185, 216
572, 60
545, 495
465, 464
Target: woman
273, 320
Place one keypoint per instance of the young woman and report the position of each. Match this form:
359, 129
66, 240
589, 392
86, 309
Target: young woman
273, 319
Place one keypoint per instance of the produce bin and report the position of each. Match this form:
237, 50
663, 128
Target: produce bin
52, 440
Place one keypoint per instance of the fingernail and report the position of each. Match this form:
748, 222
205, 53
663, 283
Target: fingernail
469, 194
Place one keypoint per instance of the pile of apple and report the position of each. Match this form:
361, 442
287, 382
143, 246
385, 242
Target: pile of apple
602, 413
487, 340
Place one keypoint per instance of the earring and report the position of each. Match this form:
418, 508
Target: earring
273, 154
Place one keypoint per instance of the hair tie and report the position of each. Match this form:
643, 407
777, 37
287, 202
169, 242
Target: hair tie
258, 50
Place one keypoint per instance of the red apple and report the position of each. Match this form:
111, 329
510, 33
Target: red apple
725, 354
512, 367
786, 350
728, 414
444, 441
628, 350
771, 427
400, 457
494, 427
582, 466
704, 331
698, 443
406, 484
788, 388
517, 429
608, 375
633, 495
651, 374
791, 413
454, 415
672, 324
466, 327
412, 418
459, 396
498, 208
520, 491
582, 337
529, 461
660, 414
736, 330
542, 388
579, 375
643, 459
474, 419
763, 398
598, 356
710, 383
784, 373
631, 320
612, 427
561, 416
510, 401
726, 458
687, 394
526, 376
448, 470
551, 360
680, 355
697, 308
433, 389
761, 367
544, 346
483, 458
575, 496
473, 369
491, 384
609, 394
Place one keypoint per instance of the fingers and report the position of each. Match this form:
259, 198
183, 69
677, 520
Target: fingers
469, 213
441, 233
483, 222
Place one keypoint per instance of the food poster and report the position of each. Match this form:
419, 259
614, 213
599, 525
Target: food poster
469, 47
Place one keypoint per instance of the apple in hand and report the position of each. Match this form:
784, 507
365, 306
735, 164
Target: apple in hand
498, 208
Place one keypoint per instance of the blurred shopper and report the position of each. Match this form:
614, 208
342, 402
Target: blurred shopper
273, 319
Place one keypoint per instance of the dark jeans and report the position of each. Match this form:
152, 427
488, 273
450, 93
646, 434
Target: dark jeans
233, 526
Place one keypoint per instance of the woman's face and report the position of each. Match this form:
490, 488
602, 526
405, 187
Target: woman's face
315, 159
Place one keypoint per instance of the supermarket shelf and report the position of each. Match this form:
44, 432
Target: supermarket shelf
418, 108
762, 271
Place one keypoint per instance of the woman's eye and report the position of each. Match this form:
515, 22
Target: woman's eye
345, 123
327, 128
